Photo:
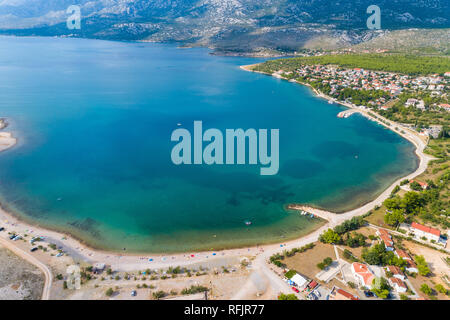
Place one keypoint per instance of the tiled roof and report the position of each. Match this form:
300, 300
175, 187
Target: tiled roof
402, 254
426, 229
347, 295
394, 270
398, 282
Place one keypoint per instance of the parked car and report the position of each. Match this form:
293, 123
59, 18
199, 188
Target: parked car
17, 238
33, 249
295, 289
2, 229
133, 293
12, 237
368, 293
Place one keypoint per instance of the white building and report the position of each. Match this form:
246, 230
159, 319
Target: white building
424, 231
363, 274
299, 280
398, 285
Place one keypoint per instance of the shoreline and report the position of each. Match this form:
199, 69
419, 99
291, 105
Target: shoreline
419, 143
127, 262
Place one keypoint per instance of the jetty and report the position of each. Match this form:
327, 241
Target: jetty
346, 113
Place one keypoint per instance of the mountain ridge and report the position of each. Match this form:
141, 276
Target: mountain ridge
227, 26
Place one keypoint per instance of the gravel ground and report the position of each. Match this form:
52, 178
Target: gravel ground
19, 280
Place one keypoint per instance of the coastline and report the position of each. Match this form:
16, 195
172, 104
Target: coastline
126, 262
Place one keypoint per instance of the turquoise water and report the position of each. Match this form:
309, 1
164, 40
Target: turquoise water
94, 120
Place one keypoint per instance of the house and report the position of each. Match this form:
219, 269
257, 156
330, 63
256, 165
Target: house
424, 231
424, 185
411, 267
98, 267
420, 105
339, 294
398, 285
402, 254
445, 106
362, 273
396, 272
386, 239
410, 102
299, 280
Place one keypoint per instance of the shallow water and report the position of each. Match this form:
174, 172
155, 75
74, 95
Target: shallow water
94, 120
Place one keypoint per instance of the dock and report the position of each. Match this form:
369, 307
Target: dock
346, 113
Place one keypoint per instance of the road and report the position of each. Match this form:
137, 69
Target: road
28, 257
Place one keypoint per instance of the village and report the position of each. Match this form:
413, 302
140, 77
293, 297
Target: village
378, 90
341, 271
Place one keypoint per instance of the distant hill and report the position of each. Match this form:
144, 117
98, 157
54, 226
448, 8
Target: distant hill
229, 26
414, 41
406, 64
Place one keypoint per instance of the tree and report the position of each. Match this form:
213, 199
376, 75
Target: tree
325, 263
440, 288
394, 218
375, 254
330, 236
395, 190
426, 289
393, 203
159, 294
349, 225
423, 270
109, 292
289, 296
381, 287
422, 266
415, 186
355, 240
411, 201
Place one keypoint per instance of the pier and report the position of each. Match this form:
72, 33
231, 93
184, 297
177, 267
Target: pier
346, 113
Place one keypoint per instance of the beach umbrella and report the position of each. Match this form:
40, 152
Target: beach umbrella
213, 254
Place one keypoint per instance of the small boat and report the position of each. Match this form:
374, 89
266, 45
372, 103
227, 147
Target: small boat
330, 102
247, 223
